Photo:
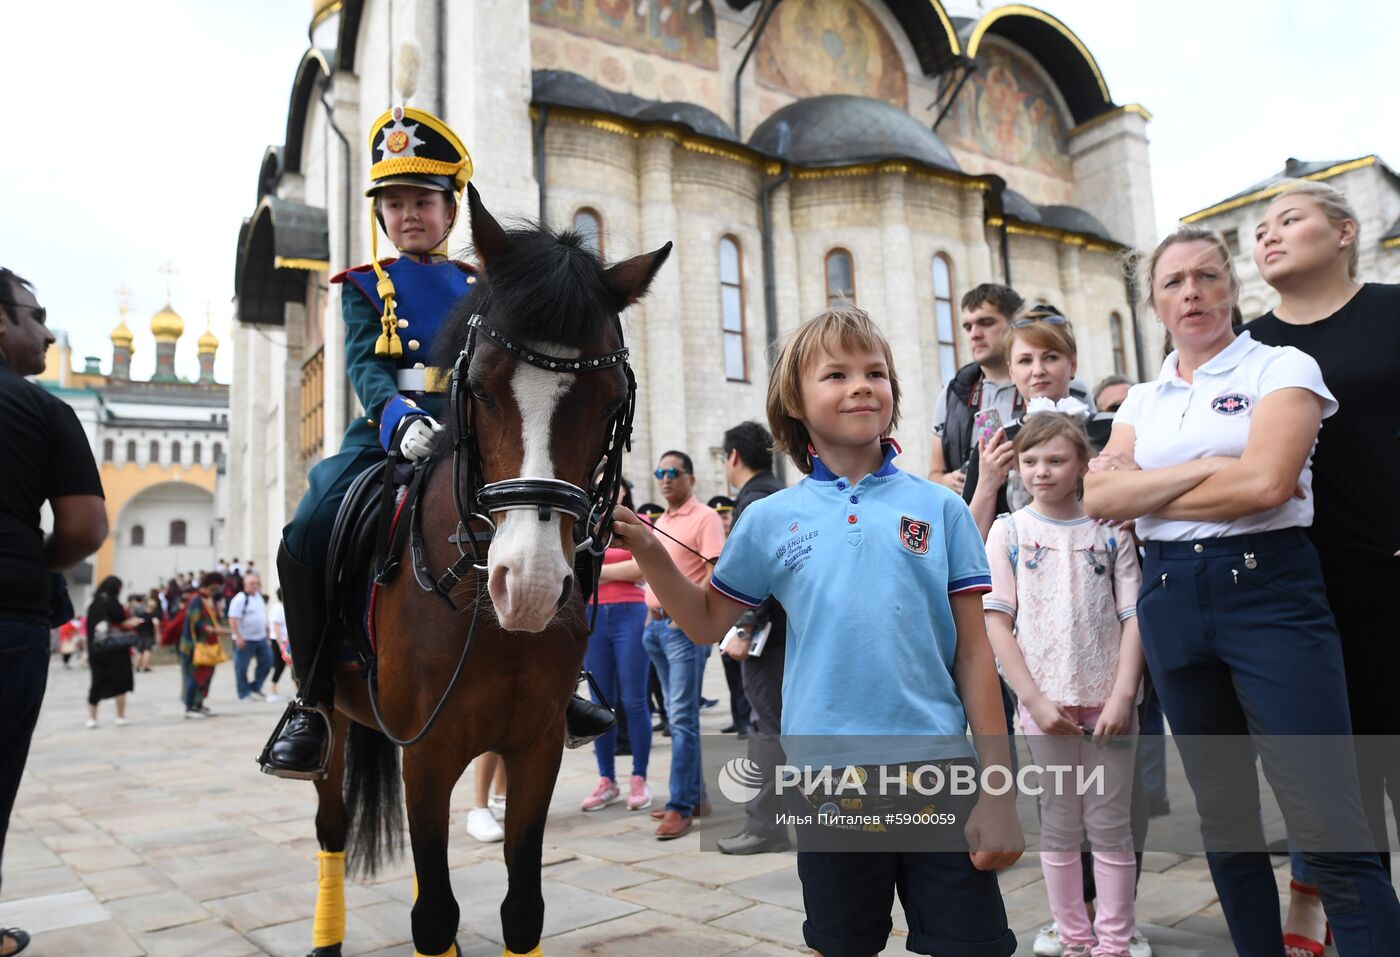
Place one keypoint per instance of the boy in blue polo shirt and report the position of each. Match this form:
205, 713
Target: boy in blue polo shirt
881, 573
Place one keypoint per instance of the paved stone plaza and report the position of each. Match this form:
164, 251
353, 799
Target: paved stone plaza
162, 838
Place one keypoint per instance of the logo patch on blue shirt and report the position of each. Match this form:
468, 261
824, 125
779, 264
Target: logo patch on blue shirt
914, 534
1231, 403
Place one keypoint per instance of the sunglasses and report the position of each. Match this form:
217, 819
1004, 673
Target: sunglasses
669, 473
41, 314
1048, 320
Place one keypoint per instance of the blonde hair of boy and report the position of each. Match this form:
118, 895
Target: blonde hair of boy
841, 328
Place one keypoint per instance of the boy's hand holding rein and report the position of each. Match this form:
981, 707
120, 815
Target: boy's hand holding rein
701, 613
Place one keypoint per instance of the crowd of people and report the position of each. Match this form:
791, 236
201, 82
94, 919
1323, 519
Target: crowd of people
1204, 545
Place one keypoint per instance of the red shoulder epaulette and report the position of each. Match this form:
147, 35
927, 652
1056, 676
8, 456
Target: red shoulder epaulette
340, 276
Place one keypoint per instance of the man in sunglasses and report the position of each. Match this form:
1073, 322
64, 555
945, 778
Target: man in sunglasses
693, 534
44, 457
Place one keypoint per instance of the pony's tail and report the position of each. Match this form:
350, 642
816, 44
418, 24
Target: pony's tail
373, 800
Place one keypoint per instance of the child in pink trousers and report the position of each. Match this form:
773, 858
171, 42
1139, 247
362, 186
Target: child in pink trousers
1062, 619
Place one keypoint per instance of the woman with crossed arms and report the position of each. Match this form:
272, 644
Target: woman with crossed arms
1212, 460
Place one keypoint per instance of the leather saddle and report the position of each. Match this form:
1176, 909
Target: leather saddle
367, 540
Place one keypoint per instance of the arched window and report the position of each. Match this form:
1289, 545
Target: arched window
196, 453
131, 451
218, 452
155, 452
731, 297
109, 450
943, 317
589, 224
174, 453
840, 277
138, 535
1115, 332
177, 532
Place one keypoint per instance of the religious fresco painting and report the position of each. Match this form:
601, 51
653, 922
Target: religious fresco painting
1007, 111
815, 47
677, 29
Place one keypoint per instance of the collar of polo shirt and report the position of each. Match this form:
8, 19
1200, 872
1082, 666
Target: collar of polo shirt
821, 473
1223, 361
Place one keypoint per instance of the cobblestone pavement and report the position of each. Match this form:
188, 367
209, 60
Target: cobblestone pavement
162, 838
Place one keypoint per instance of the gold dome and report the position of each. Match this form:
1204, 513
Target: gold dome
121, 336
208, 342
167, 324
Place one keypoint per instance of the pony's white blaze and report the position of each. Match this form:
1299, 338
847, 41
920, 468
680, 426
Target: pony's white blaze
526, 561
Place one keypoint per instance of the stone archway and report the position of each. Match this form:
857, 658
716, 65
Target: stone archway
176, 522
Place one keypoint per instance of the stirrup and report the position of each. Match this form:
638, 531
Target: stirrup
265, 761
572, 740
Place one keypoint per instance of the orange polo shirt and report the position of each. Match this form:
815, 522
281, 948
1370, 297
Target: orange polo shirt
698, 526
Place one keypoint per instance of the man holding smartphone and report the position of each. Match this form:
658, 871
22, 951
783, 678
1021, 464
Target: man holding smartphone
983, 384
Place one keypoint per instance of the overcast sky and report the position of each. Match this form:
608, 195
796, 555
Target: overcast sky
135, 130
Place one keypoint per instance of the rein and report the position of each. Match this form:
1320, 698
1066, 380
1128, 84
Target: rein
475, 500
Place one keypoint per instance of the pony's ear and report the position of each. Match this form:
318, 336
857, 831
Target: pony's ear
629, 279
488, 238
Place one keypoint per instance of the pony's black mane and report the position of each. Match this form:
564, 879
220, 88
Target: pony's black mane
547, 287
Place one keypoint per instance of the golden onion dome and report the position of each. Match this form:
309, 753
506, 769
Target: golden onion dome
122, 336
167, 324
208, 342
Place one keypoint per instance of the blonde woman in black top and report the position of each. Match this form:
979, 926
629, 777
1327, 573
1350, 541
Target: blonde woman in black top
1307, 247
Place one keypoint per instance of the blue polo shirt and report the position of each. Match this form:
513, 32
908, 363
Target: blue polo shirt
865, 571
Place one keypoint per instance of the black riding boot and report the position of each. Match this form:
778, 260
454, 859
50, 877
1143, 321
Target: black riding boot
585, 720
301, 744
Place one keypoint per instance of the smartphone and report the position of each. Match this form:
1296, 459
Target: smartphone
985, 425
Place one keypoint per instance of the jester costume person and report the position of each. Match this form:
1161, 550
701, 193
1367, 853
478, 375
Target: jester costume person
393, 310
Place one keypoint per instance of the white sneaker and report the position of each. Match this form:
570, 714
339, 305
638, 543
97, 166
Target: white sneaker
496, 804
122, 722
92, 722
275, 698
482, 826
1047, 942
196, 713
1138, 945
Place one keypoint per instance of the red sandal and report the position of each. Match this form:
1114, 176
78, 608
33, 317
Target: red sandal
1296, 945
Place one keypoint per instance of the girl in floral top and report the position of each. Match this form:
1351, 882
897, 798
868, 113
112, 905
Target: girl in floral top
1062, 619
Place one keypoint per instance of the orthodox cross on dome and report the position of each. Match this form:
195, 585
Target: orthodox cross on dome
123, 295
170, 273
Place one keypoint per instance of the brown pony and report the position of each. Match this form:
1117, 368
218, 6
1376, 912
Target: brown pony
540, 402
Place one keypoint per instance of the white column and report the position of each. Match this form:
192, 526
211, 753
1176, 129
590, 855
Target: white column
664, 391
902, 321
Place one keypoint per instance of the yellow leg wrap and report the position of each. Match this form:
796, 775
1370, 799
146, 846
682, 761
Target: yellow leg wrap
449, 952
534, 953
328, 926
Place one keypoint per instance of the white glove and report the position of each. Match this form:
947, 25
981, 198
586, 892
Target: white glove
419, 437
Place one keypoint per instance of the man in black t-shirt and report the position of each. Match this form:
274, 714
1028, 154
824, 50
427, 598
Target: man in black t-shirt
44, 457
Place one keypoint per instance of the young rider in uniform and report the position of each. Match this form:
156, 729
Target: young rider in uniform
392, 310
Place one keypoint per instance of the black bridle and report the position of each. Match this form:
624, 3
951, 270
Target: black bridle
476, 500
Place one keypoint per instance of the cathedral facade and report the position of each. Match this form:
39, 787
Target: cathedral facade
890, 152
160, 449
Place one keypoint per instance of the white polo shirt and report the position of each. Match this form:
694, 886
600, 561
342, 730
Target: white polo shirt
1175, 421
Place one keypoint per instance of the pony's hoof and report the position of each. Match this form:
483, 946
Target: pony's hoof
534, 953
332, 951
